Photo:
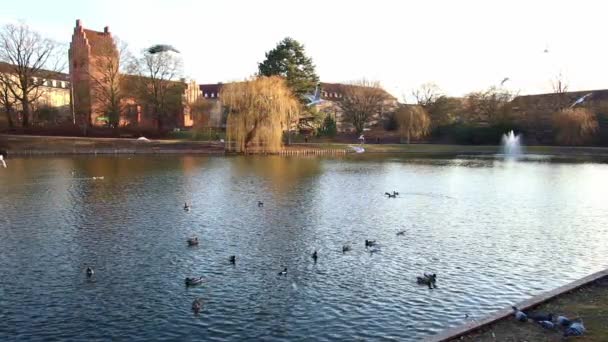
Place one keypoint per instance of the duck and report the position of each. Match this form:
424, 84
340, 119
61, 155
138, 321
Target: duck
401, 232
395, 193
315, 256
370, 243
428, 279
232, 259
563, 321
193, 281
186, 206
260, 204
197, 304
283, 272
374, 250
390, 195
90, 272
346, 248
576, 328
519, 315
193, 241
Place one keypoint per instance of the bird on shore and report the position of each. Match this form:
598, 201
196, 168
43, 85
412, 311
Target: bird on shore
233, 259
576, 328
541, 317
546, 324
89, 272
519, 315
283, 272
563, 321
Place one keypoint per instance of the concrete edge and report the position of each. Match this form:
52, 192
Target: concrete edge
527, 304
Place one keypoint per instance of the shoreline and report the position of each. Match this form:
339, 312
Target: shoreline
472, 331
27, 145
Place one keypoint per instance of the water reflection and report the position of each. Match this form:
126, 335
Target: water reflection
468, 220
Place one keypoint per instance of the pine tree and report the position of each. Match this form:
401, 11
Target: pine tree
289, 60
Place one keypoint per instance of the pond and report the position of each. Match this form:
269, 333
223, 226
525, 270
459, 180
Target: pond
495, 232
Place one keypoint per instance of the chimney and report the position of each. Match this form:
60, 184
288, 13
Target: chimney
106, 29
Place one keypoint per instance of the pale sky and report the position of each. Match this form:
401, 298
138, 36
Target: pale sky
462, 46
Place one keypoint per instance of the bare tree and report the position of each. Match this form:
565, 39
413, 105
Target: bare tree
414, 122
427, 94
106, 74
560, 88
361, 100
493, 105
155, 82
8, 102
29, 56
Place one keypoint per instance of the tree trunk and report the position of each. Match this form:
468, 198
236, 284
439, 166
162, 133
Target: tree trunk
26, 113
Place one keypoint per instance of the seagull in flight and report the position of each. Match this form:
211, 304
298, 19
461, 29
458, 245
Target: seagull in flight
503, 81
580, 100
161, 48
314, 99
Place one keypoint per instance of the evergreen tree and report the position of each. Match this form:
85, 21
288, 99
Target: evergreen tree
289, 60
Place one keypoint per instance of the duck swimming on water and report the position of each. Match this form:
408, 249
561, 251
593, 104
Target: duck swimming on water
346, 248
315, 256
193, 241
232, 259
90, 272
197, 304
186, 206
283, 272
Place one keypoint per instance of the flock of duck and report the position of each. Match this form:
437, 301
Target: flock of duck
570, 327
429, 280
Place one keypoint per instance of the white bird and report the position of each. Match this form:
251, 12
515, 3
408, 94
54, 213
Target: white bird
314, 99
2, 161
580, 100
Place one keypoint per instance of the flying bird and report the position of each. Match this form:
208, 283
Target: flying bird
580, 100
161, 48
504, 80
314, 99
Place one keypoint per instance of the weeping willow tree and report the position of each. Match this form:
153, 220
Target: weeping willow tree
259, 110
413, 121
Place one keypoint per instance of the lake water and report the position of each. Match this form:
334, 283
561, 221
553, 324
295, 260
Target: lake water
495, 232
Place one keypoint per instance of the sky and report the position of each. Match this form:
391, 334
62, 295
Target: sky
462, 46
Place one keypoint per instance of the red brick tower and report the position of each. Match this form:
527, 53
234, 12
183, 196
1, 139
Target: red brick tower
89, 51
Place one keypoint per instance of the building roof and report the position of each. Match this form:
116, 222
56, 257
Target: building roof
101, 42
47, 74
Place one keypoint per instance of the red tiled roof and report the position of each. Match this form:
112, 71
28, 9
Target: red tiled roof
52, 75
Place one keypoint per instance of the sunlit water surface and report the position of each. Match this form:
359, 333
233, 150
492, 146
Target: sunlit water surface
495, 232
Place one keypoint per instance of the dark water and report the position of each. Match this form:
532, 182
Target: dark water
494, 232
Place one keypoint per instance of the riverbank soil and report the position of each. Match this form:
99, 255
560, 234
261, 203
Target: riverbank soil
589, 302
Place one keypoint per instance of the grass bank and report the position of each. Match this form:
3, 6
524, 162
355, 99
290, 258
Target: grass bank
589, 302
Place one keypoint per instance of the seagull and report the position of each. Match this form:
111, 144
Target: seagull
314, 99
580, 100
161, 48
2, 161
503, 81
